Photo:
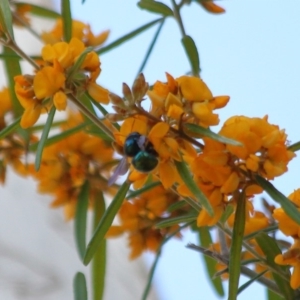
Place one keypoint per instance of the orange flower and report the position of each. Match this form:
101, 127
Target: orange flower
264, 145
58, 76
139, 216
186, 99
291, 258
67, 164
80, 31
285, 223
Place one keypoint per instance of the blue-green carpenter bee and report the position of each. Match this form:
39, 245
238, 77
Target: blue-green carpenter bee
140, 149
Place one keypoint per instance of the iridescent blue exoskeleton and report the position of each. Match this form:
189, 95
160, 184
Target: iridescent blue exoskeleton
140, 149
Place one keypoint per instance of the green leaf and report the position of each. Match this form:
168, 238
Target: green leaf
101, 109
80, 219
286, 204
149, 51
105, 222
236, 247
192, 203
205, 242
249, 282
144, 189
39, 10
273, 296
128, 36
94, 129
156, 7
41, 145
294, 147
79, 286
59, 137
67, 19
270, 248
10, 128
208, 133
265, 230
176, 220
154, 265
97, 104
99, 260
227, 213
192, 54
177, 205
78, 63
193, 187
12, 69
6, 18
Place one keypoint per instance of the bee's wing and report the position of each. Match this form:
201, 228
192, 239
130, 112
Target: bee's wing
142, 142
121, 169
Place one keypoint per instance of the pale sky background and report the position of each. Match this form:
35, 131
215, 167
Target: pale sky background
250, 53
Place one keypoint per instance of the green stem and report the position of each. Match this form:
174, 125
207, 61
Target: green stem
91, 116
178, 18
12, 45
253, 252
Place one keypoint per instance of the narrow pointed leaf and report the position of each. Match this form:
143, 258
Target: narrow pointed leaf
149, 51
156, 7
101, 109
205, 242
105, 222
154, 265
144, 189
286, 204
79, 61
150, 276
10, 128
12, 68
176, 220
227, 213
39, 10
177, 205
192, 203
270, 248
236, 247
192, 186
94, 129
273, 296
294, 147
97, 104
79, 287
192, 54
59, 137
6, 18
67, 19
249, 282
41, 145
99, 260
208, 133
269, 229
128, 36
80, 219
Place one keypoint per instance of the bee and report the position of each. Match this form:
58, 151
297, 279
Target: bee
140, 149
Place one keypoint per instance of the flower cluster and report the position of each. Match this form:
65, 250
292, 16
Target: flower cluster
67, 164
186, 99
139, 216
220, 169
290, 228
80, 31
62, 72
223, 169
13, 146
